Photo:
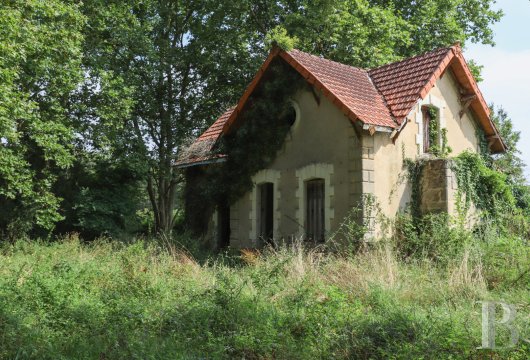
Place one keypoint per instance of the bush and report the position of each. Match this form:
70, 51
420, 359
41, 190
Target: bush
434, 236
154, 301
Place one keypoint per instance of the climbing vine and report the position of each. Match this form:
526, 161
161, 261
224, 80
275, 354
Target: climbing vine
487, 189
260, 132
483, 146
252, 144
480, 185
437, 135
414, 172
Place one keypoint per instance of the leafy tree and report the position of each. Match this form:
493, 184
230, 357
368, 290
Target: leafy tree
369, 33
158, 66
102, 196
510, 162
436, 23
40, 54
352, 32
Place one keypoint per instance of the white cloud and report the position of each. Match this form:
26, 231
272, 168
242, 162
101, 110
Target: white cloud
506, 83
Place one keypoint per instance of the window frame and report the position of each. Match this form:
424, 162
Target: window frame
426, 128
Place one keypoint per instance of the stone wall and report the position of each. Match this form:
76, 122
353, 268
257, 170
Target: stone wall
438, 190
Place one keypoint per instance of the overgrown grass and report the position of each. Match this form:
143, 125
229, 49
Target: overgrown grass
107, 300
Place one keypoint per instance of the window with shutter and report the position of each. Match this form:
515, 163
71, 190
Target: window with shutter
315, 228
266, 209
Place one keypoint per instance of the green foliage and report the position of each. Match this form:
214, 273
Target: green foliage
432, 236
437, 137
115, 301
476, 70
510, 162
357, 225
156, 72
258, 136
435, 23
369, 33
486, 188
352, 32
505, 255
279, 37
102, 197
39, 69
414, 170
261, 132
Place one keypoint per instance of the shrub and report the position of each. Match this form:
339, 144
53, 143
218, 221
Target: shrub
433, 236
144, 300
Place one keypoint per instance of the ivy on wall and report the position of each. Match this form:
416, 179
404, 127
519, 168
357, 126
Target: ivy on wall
414, 168
414, 172
480, 185
253, 143
437, 135
483, 146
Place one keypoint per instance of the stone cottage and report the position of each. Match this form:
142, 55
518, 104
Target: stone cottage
351, 131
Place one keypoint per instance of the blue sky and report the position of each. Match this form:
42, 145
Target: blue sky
506, 70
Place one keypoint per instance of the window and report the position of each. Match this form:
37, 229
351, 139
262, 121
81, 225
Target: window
315, 227
265, 211
290, 114
430, 128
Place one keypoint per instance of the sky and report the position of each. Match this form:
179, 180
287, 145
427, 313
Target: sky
506, 71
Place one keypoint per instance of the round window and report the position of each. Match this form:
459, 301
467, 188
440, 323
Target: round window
290, 114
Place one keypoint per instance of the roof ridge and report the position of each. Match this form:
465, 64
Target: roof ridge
348, 87
383, 97
448, 48
421, 68
328, 60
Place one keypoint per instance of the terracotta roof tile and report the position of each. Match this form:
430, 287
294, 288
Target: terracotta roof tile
201, 150
402, 83
350, 86
382, 97
216, 128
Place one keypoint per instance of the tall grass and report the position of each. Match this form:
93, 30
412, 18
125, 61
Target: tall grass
107, 300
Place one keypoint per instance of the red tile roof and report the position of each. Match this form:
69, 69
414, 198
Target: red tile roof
381, 97
405, 82
402, 83
201, 151
216, 128
349, 86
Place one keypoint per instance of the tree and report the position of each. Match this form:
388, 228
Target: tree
40, 47
510, 162
369, 33
160, 64
437, 23
102, 196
